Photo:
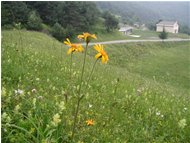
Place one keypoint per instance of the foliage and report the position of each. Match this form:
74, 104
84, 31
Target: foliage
146, 12
184, 29
111, 22
163, 35
58, 32
34, 21
77, 16
143, 92
47, 10
14, 12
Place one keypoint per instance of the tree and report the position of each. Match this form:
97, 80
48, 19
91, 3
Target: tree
58, 32
111, 22
34, 21
46, 9
14, 12
163, 35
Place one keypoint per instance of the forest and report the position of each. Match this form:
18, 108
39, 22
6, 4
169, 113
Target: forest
60, 19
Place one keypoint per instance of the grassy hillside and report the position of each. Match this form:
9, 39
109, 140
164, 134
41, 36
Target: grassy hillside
141, 95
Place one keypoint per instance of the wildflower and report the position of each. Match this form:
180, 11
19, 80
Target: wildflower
19, 91
182, 123
73, 47
89, 105
87, 37
37, 79
157, 113
34, 102
17, 107
40, 97
3, 91
101, 53
62, 106
32, 130
5, 117
90, 122
34, 90
56, 119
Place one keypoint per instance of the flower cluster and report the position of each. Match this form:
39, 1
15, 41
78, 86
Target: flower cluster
87, 38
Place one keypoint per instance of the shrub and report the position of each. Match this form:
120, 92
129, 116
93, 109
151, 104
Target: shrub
34, 21
58, 32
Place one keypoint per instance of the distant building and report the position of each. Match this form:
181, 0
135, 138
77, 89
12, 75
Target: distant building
126, 30
169, 26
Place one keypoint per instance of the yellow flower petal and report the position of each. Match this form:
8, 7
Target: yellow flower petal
98, 55
80, 36
103, 59
67, 42
97, 47
94, 36
80, 48
69, 51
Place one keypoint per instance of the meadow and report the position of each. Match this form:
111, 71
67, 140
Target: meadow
140, 95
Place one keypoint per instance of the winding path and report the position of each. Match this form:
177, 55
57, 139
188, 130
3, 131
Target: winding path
135, 41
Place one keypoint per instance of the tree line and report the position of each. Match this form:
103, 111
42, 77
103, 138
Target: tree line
60, 19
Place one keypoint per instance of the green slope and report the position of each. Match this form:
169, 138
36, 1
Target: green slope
141, 95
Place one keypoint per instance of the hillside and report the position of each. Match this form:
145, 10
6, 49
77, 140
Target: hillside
149, 12
140, 95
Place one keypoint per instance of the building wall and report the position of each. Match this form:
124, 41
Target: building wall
170, 29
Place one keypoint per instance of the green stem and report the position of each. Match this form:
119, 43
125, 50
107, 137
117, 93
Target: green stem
84, 61
71, 65
79, 98
75, 117
89, 76
91, 71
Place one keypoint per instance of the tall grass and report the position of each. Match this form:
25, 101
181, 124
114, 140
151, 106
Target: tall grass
141, 95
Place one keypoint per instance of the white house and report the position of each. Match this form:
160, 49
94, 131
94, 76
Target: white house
169, 26
126, 30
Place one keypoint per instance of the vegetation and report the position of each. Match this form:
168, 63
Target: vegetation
34, 21
111, 22
73, 17
140, 95
148, 12
163, 35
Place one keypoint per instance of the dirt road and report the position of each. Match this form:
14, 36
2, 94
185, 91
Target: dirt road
135, 41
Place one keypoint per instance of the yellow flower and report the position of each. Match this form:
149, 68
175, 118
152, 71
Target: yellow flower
101, 53
73, 47
87, 37
90, 122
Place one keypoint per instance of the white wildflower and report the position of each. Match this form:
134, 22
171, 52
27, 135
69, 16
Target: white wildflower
17, 107
34, 102
19, 91
185, 108
182, 123
158, 113
89, 105
3, 91
34, 90
56, 120
62, 106
6, 118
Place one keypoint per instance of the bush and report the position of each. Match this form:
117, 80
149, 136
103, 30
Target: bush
58, 32
34, 21
163, 35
